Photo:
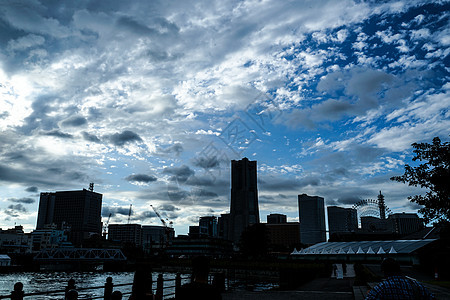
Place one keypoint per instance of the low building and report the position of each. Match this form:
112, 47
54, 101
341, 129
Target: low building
126, 233
154, 238
14, 240
276, 219
187, 246
284, 236
5, 260
49, 237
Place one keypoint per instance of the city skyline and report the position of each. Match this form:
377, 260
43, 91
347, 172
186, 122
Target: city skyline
152, 101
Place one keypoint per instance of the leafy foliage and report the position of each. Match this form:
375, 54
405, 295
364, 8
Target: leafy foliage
434, 175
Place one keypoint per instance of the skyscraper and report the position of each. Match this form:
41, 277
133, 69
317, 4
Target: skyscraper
312, 219
81, 210
244, 210
341, 219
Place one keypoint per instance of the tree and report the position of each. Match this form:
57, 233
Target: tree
434, 175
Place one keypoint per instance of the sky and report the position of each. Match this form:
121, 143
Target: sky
151, 100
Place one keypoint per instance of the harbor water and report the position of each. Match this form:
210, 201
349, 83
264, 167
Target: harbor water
47, 281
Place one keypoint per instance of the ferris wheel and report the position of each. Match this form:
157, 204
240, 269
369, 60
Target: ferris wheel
372, 208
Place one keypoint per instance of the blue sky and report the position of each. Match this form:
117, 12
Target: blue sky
152, 99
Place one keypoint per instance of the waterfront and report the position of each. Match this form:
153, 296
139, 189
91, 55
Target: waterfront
46, 281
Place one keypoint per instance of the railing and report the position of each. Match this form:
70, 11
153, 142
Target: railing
162, 291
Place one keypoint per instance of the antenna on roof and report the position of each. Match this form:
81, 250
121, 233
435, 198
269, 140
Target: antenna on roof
91, 186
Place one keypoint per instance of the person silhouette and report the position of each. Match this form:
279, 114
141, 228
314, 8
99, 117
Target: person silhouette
116, 295
199, 288
397, 286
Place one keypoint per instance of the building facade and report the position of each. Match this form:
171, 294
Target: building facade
244, 209
276, 219
312, 219
208, 226
406, 223
126, 233
341, 220
81, 210
285, 236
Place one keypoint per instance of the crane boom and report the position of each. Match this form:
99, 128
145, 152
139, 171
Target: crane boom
129, 214
105, 227
159, 216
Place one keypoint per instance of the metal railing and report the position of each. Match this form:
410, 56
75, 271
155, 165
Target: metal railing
161, 291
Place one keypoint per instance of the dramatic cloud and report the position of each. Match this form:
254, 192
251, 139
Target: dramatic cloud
327, 96
22, 200
32, 189
141, 178
127, 136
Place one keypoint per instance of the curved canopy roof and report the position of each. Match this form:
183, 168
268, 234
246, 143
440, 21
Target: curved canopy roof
365, 247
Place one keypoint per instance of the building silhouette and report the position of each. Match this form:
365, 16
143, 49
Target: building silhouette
312, 219
126, 233
244, 209
276, 219
341, 220
208, 226
78, 210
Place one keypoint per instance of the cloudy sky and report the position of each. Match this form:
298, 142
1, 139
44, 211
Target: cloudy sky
151, 100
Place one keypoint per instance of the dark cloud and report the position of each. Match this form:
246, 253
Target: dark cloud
176, 149
269, 183
32, 189
22, 200
114, 210
127, 136
141, 178
74, 121
90, 137
15, 210
168, 207
181, 174
206, 162
58, 133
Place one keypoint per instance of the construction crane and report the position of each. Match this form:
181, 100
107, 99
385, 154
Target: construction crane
129, 214
105, 227
167, 228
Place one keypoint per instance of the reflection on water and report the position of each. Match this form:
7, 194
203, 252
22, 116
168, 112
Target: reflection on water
45, 281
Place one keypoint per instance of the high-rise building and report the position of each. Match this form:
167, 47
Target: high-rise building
244, 210
79, 210
341, 219
276, 219
312, 219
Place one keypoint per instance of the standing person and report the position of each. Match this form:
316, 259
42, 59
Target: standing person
18, 293
199, 288
70, 286
397, 286
344, 268
116, 295
72, 295
142, 284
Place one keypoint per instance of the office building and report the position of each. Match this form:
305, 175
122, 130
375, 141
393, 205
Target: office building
208, 226
312, 219
244, 210
276, 219
155, 237
341, 220
125, 233
406, 223
79, 210
283, 236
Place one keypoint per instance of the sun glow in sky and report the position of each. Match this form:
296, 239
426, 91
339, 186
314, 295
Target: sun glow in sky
152, 99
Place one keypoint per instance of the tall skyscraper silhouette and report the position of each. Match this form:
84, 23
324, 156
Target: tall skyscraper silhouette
81, 210
312, 219
244, 210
